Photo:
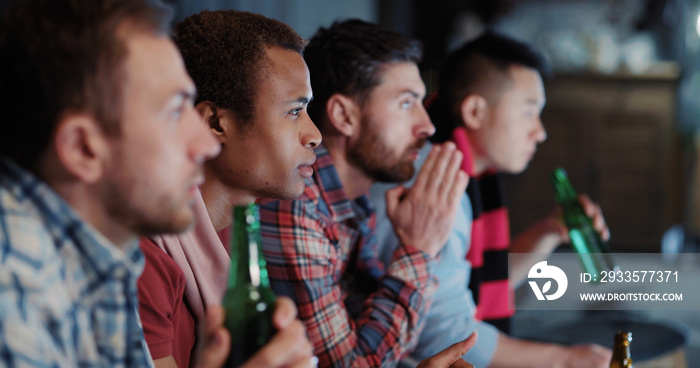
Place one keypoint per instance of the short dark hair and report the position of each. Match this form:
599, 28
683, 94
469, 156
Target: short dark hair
475, 68
224, 54
61, 55
347, 58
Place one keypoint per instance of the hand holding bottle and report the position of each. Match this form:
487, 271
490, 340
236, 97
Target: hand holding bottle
289, 347
592, 210
583, 235
423, 215
259, 335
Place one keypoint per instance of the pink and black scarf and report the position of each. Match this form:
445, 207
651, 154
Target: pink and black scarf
490, 240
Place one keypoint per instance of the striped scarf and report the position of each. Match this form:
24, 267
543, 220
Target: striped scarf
488, 252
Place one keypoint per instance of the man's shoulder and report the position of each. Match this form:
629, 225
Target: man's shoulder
162, 284
27, 247
32, 267
158, 261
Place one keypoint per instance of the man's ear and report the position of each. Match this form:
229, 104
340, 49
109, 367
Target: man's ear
211, 115
473, 111
81, 146
343, 114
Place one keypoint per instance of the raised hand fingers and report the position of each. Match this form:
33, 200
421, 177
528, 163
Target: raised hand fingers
459, 185
439, 173
442, 169
426, 170
451, 176
424, 214
393, 197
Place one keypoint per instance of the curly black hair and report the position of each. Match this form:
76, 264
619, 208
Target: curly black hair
347, 58
223, 52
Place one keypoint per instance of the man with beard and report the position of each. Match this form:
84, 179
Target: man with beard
320, 249
490, 100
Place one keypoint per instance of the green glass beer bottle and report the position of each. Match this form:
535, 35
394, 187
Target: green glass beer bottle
592, 250
621, 350
249, 301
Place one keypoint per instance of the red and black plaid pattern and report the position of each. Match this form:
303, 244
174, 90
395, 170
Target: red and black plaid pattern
321, 252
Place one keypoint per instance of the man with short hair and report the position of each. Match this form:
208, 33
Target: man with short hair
101, 143
489, 103
256, 108
320, 249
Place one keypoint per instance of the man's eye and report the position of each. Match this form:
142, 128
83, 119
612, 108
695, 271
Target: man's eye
296, 111
406, 104
531, 113
176, 114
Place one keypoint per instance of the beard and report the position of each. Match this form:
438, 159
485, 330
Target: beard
378, 161
138, 207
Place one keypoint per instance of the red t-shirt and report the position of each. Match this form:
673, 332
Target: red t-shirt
168, 322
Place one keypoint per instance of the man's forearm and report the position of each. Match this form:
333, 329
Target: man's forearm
535, 243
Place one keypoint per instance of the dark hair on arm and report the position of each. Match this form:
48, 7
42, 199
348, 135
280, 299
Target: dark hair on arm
223, 52
474, 68
64, 55
347, 58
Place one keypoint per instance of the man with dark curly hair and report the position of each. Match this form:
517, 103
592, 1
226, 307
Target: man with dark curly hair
253, 91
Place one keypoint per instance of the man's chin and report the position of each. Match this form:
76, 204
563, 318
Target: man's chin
396, 176
289, 193
176, 225
292, 195
515, 170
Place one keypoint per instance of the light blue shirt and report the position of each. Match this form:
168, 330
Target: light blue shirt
67, 294
452, 315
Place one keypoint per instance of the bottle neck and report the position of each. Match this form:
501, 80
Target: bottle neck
621, 351
563, 190
247, 262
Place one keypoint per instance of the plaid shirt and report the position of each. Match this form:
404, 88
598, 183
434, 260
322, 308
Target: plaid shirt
321, 251
67, 294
